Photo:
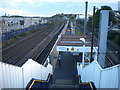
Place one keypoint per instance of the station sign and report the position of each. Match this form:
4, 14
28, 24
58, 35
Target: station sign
75, 49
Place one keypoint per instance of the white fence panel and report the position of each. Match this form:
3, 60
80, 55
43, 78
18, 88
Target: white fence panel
27, 73
119, 77
97, 72
44, 73
49, 68
35, 70
18, 77
109, 78
91, 73
102, 78
1, 84
11, 76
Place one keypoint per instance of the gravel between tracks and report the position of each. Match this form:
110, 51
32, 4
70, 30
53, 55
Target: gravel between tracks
30, 47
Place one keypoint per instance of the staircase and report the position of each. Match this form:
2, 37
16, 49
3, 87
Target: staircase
61, 83
63, 86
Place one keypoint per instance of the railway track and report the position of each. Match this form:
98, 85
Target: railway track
15, 53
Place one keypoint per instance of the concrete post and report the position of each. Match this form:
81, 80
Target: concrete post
103, 36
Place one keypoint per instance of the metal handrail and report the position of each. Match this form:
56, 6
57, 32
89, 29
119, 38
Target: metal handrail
91, 86
48, 79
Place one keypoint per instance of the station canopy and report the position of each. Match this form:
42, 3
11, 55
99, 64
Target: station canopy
75, 43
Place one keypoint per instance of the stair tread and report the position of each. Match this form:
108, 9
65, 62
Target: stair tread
63, 86
62, 81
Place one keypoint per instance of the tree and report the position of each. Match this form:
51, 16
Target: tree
97, 17
89, 23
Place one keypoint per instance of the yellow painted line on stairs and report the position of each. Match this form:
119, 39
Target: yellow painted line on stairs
39, 81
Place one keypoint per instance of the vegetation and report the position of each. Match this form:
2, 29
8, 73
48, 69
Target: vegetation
80, 21
112, 18
114, 35
12, 16
77, 31
117, 39
89, 23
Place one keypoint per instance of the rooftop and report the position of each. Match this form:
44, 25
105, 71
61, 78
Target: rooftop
73, 40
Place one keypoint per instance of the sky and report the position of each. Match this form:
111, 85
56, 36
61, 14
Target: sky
46, 8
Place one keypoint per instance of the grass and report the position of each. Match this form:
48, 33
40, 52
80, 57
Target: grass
77, 32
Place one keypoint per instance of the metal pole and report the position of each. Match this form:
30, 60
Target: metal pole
85, 20
93, 22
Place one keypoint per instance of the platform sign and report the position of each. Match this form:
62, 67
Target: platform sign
72, 49
75, 49
61, 48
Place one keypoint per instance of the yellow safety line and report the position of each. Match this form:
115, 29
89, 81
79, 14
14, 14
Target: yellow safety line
39, 81
31, 85
91, 86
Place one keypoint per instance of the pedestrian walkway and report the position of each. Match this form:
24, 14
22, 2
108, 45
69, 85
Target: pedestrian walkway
65, 71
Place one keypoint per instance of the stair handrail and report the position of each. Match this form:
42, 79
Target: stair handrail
91, 86
48, 79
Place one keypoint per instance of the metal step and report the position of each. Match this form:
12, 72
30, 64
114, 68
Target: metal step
64, 82
63, 86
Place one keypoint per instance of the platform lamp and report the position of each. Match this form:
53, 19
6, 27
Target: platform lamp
83, 40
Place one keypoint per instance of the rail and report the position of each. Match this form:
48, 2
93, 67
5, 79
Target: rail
49, 77
92, 87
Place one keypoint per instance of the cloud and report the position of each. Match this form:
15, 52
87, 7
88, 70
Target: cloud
95, 1
12, 11
18, 2
50, 7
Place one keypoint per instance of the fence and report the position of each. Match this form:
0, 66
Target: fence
18, 77
8, 35
102, 78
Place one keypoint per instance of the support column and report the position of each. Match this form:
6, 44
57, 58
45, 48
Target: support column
103, 36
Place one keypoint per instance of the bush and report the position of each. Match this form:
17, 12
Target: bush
117, 39
112, 34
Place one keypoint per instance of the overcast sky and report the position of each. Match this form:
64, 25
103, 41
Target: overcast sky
51, 7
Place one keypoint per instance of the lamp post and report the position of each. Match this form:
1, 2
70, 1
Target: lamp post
93, 22
85, 20
83, 56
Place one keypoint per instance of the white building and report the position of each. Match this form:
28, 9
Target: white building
14, 23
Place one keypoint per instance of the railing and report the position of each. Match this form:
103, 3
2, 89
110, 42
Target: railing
86, 85
18, 77
90, 85
40, 81
102, 78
